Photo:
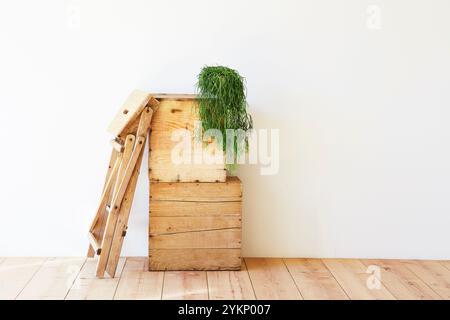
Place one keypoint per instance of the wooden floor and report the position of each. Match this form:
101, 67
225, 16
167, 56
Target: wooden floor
260, 278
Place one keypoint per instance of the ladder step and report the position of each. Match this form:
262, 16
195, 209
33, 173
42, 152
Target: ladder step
117, 145
94, 243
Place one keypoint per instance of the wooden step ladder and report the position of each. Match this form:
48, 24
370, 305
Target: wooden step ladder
130, 128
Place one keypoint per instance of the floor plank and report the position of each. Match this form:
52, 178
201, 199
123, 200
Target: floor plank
314, 280
185, 285
433, 273
230, 285
15, 273
88, 287
402, 282
352, 277
137, 283
271, 279
53, 280
445, 263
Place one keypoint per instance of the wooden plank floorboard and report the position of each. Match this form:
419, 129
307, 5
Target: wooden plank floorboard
88, 287
185, 285
402, 282
137, 283
353, 277
271, 280
260, 278
230, 285
314, 280
53, 279
433, 273
15, 273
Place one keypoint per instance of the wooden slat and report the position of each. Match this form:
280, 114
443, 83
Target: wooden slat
194, 209
15, 273
88, 287
433, 273
129, 111
231, 190
137, 283
53, 280
271, 279
174, 114
226, 238
352, 277
195, 259
314, 280
174, 96
230, 285
170, 225
185, 285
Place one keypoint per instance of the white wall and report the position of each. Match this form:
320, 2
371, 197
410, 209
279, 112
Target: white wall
363, 115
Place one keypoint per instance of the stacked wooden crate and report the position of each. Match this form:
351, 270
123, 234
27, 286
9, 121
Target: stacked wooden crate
195, 210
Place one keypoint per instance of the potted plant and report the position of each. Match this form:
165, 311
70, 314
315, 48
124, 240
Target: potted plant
222, 105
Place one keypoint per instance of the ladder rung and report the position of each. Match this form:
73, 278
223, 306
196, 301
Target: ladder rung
94, 243
117, 145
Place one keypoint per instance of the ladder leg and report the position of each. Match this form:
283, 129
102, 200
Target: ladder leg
122, 222
99, 219
142, 132
111, 221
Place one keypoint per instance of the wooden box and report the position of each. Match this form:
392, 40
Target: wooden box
195, 226
178, 112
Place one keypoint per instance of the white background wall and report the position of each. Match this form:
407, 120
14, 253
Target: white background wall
363, 115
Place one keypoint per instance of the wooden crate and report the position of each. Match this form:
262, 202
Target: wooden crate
178, 112
195, 226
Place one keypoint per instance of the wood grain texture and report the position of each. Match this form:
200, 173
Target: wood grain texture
179, 114
15, 273
170, 225
195, 259
353, 278
185, 285
314, 280
136, 283
88, 287
402, 282
433, 273
271, 279
231, 190
194, 209
53, 279
129, 112
226, 238
122, 221
230, 285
